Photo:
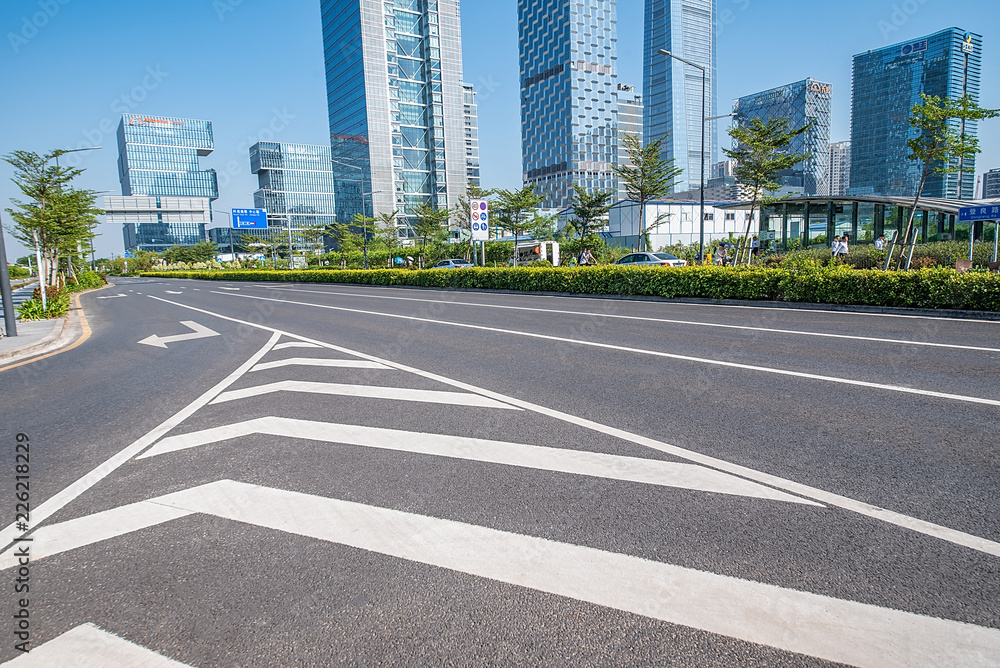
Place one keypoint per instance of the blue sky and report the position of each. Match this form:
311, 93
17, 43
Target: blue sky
255, 69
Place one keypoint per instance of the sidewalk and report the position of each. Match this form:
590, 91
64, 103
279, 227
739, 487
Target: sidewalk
38, 337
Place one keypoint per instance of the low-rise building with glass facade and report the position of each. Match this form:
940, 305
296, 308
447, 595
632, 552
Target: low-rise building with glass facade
158, 223
887, 83
802, 103
568, 56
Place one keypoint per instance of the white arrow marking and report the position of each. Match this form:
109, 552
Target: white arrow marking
367, 391
87, 646
120, 294
821, 626
314, 361
200, 332
612, 467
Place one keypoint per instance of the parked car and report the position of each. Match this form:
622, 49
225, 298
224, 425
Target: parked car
653, 259
453, 264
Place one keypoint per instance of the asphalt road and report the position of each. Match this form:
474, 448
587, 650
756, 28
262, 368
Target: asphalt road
324, 475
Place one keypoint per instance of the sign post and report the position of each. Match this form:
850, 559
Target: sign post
479, 215
974, 214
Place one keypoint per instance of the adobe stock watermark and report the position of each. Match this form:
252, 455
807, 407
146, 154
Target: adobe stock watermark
152, 77
900, 15
31, 25
223, 7
726, 16
280, 120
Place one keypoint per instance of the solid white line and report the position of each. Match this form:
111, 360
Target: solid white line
653, 353
651, 319
312, 361
87, 646
295, 344
366, 391
59, 501
802, 622
56, 538
866, 509
612, 467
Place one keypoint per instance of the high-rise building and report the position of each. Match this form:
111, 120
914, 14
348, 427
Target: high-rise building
470, 116
801, 103
568, 53
840, 168
672, 90
887, 83
167, 196
394, 96
991, 184
629, 122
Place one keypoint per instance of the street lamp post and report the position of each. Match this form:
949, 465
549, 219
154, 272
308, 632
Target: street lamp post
701, 189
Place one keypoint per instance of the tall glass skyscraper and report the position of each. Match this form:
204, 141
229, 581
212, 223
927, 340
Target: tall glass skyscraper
802, 102
887, 83
672, 90
568, 98
470, 115
629, 122
158, 155
394, 96
167, 196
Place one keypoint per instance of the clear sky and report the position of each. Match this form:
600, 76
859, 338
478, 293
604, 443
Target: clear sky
255, 69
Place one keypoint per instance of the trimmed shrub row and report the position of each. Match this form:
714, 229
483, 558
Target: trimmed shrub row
926, 288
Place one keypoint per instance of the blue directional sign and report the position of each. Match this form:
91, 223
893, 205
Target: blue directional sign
972, 213
249, 219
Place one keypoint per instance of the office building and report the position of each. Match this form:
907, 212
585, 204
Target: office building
470, 117
630, 123
801, 103
840, 168
395, 102
991, 184
568, 56
157, 223
158, 158
887, 83
672, 91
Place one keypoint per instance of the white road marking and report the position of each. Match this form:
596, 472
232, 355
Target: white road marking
612, 467
120, 294
222, 287
653, 353
315, 361
295, 344
59, 500
669, 321
173, 292
821, 626
367, 391
866, 509
200, 332
87, 646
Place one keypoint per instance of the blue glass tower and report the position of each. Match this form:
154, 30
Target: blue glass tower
672, 91
395, 102
158, 155
801, 103
887, 83
569, 56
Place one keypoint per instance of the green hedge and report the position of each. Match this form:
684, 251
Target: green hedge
926, 288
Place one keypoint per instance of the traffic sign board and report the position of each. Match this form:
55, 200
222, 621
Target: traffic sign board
479, 212
255, 219
974, 213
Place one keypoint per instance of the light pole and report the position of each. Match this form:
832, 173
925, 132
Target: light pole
701, 189
364, 219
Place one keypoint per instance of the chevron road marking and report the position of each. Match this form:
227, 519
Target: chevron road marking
367, 391
87, 646
614, 467
821, 626
313, 361
938, 531
295, 344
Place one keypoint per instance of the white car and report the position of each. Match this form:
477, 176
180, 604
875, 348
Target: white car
653, 260
453, 264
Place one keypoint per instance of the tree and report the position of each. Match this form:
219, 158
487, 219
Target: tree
203, 251
760, 149
56, 217
941, 143
430, 224
513, 208
650, 176
462, 213
386, 231
589, 210
344, 238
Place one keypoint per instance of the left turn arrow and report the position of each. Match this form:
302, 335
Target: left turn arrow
200, 332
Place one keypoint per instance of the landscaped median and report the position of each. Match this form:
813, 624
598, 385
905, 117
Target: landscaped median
810, 282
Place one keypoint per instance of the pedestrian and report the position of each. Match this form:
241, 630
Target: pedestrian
844, 249
583, 258
880, 242
588, 258
835, 248
755, 246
